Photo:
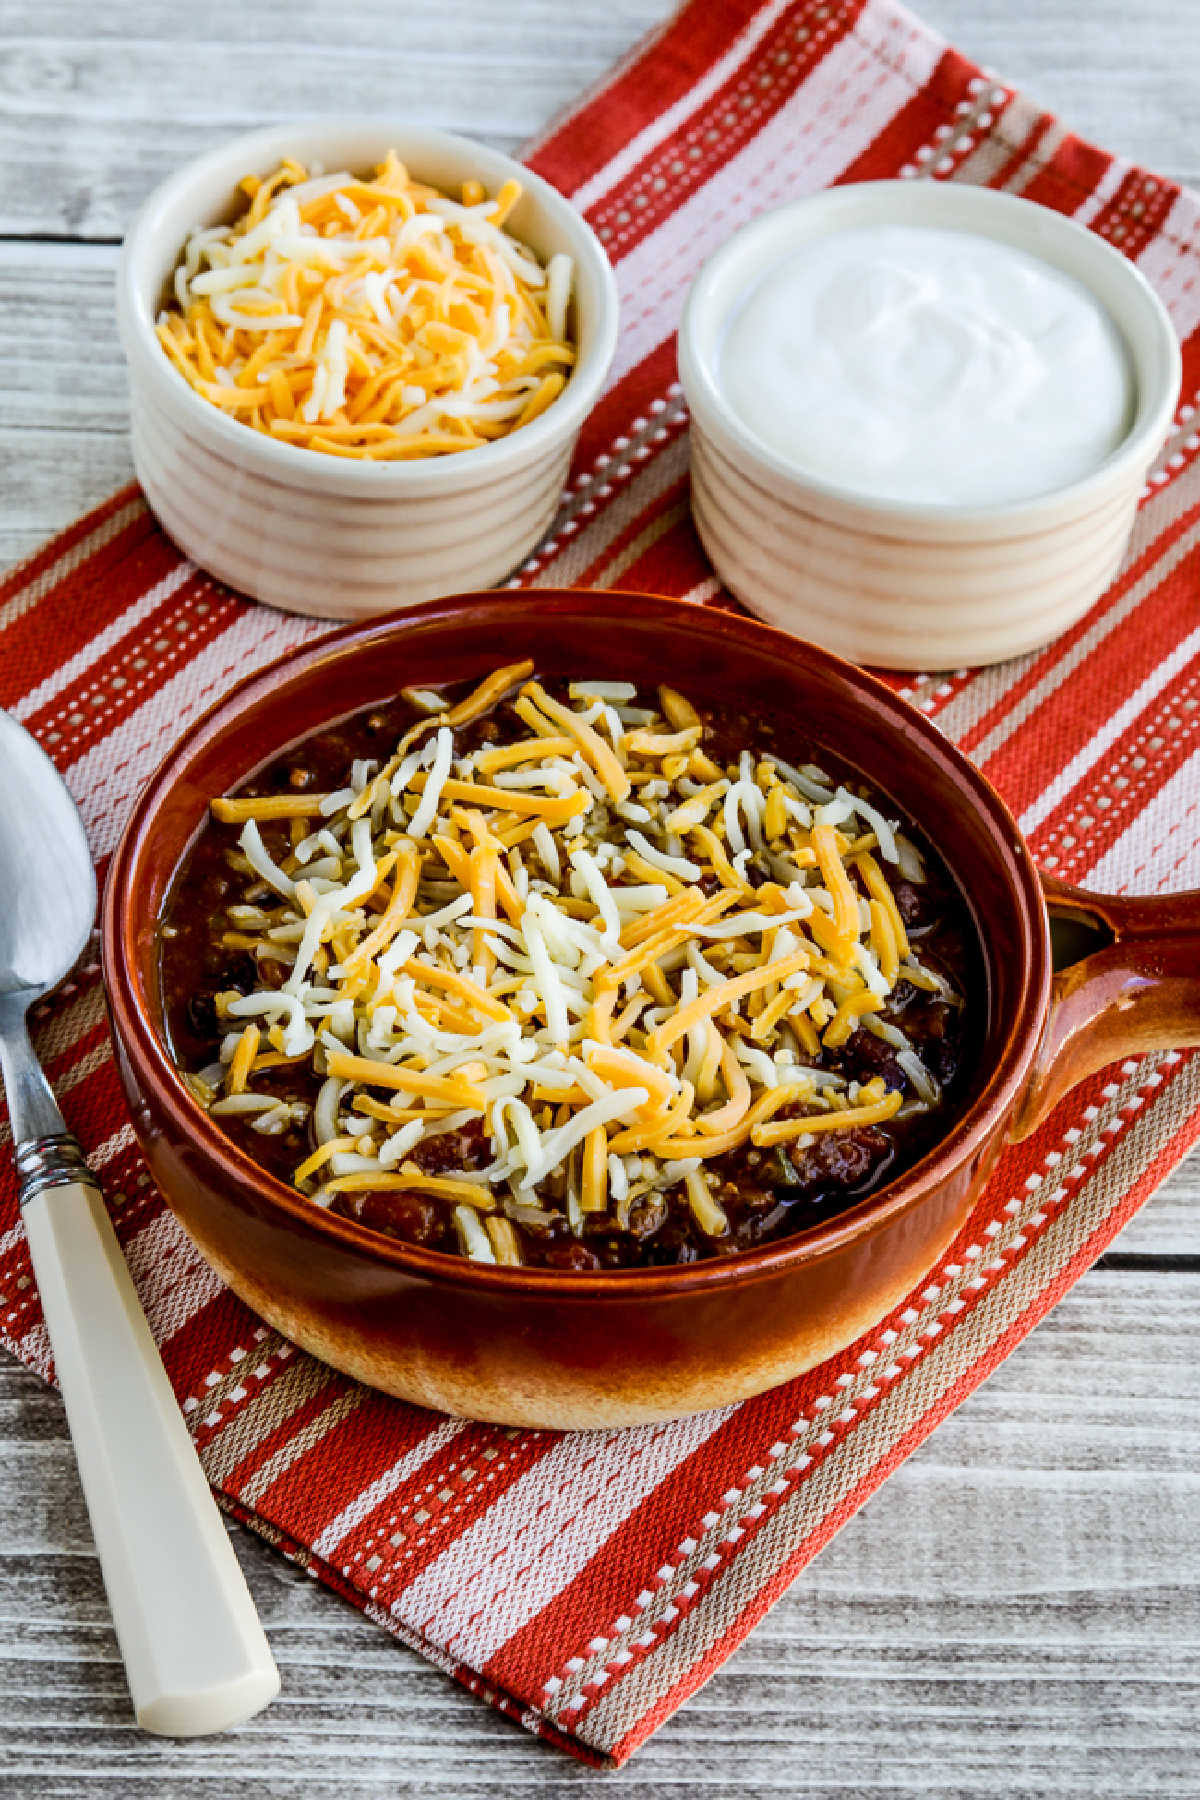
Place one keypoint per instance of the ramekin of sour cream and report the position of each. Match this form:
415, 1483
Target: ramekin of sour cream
922, 417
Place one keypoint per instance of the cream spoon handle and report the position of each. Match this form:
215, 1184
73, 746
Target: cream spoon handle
195, 1653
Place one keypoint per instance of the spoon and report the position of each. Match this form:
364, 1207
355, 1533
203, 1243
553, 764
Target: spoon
194, 1651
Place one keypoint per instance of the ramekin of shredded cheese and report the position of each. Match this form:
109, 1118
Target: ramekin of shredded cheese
320, 323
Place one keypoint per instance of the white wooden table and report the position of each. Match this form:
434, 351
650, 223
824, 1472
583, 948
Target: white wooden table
1064, 1659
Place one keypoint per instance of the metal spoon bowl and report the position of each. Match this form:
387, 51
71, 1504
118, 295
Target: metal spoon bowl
49, 903
50, 891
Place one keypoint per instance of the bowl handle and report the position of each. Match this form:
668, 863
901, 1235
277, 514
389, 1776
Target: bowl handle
1127, 980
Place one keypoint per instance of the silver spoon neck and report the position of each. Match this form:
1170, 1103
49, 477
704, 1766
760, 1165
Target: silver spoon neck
31, 1104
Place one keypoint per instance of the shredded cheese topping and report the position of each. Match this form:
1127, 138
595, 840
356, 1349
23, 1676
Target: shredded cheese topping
478, 934
376, 319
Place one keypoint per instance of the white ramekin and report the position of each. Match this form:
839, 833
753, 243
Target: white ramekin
912, 585
320, 534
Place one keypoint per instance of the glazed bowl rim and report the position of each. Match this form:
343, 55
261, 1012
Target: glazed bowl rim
293, 465
135, 1013
1021, 222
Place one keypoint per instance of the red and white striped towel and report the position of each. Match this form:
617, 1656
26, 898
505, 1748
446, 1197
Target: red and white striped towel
587, 1584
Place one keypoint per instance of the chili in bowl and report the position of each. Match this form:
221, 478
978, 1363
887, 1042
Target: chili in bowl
574, 975
544, 1043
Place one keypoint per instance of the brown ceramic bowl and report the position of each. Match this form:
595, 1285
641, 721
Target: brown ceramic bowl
550, 1348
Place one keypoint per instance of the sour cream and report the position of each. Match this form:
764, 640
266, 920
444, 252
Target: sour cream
918, 364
